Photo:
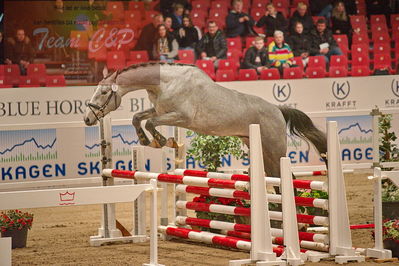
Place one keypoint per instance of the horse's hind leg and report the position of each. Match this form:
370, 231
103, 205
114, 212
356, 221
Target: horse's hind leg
168, 119
137, 118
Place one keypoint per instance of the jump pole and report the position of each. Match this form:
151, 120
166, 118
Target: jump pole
340, 234
5, 251
139, 205
261, 244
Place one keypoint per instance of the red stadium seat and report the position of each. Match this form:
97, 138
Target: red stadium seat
383, 61
207, 66
270, 74
395, 31
361, 60
249, 41
150, 14
234, 54
133, 16
356, 19
222, 5
138, 57
247, 74
338, 71
201, 4
358, 71
229, 64
342, 41
26, 81
378, 19
115, 9
116, 60
199, 13
339, 61
257, 13
187, 56
381, 37
97, 51
234, 43
292, 73
259, 4
382, 48
225, 75
394, 19
360, 38
281, 3
315, 72
79, 40
298, 62
12, 74
55, 81
217, 14
359, 49
38, 71
137, 5
317, 61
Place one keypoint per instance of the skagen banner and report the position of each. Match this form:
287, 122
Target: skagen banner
42, 135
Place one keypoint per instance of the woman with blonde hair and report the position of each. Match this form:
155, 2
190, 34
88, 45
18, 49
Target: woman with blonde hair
340, 20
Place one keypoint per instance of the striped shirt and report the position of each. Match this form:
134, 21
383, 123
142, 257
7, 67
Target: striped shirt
279, 56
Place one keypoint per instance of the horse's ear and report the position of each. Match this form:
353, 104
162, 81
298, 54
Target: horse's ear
105, 72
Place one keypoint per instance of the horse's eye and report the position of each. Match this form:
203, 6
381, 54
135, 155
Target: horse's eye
103, 91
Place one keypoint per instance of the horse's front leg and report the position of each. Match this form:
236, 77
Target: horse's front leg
137, 118
168, 119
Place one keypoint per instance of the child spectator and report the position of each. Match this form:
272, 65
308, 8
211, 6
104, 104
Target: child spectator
300, 43
272, 21
187, 35
212, 45
323, 42
238, 23
256, 56
165, 45
301, 15
280, 53
20, 51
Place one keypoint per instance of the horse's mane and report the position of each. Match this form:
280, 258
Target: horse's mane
151, 63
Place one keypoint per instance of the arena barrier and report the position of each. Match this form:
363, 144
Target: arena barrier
337, 244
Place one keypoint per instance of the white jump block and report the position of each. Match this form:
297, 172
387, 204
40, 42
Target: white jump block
5, 251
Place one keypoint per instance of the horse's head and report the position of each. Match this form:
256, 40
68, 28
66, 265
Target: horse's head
106, 98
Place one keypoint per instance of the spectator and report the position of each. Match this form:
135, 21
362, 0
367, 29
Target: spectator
187, 35
1, 48
301, 15
212, 45
323, 42
20, 51
145, 42
340, 21
166, 6
321, 8
300, 43
280, 53
165, 45
272, 21
238, 23
350, 6
256, 56
168, 24
177, 17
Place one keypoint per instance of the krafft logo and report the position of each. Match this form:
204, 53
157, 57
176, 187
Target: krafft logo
341, 91
394, 101
281, 92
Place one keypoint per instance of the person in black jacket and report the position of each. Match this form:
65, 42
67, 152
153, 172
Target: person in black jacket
177, 17
300, 43
323, 42
301, 15
212, 45
340, 21
272, 21
20, 51
187, 36
256, 56
145, 41
238, 23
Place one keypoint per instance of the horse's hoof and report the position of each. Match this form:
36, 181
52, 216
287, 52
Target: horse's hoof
162, 141
155, 144
144, 142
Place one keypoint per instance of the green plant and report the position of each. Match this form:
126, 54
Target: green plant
15, 219
210, 149
312, 194
390, 230
389, 152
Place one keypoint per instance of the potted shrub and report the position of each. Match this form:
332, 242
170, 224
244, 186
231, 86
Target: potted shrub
390, 235
15, 224
389, 152
209, 150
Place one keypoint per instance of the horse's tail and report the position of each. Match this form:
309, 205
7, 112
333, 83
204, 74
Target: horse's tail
302, 126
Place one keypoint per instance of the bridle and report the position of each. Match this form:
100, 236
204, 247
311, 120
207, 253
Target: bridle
101, 109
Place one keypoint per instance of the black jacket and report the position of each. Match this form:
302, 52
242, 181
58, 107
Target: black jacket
250, 58
273, 23
343, 26
317, 39
235, 28
17, 51
190, 38
306, 20
145, 41
316, 6
175, 22
219, 45
300, 43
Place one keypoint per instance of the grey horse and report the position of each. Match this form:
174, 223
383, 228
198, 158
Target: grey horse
184, 96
